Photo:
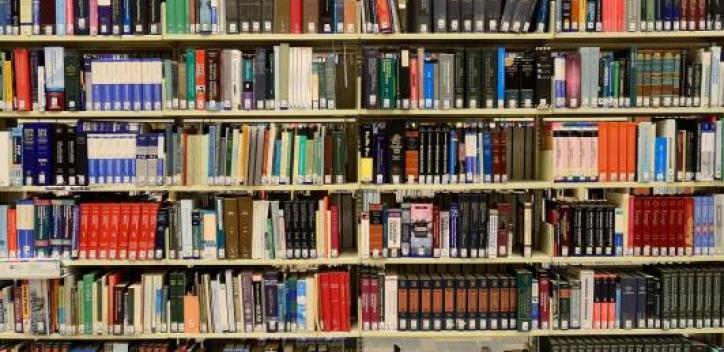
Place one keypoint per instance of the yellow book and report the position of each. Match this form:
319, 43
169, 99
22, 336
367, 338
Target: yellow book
244, 156
8, 76
365, 168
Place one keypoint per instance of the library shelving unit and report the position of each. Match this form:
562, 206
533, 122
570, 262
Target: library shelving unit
354, 41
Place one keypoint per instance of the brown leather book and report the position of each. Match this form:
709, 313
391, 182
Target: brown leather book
213, 78
192, 17
282, 16
310, 16
231, 225
246, 225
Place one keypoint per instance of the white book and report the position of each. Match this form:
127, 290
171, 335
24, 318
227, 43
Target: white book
312, 322
229, 307
717, 149
5, 158
493, 228
704, 56
282, 238
390, 302
185, 209
715, 83
215, 302
445, 234
364, 235
718, 224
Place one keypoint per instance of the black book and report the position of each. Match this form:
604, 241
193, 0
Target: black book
512, 83
439, 10
267, 16
81, 160
598, 213
139, 14
489, 93
305, 222
117, 17
629, 288
232, 16
493, 12
423, 13
36, 59
424, 136
396, 145
82, 21
71, 161
255, 13
466, 15
326, 16
371, 78
154, 16
59, 154
478, 16
430, 161
589, 230
260, 60
453, 16
348, 216
162, 222
269, 73
72, 81
464, 230
413, 302
543, 72
483, 226
527, 77
290, 223
474, 230
444, 152
311, 225
472, 78
435, 156
404, 79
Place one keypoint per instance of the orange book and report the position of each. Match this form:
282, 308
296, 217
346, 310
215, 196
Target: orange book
614, 148
200, 79
611, 304
412, 155
622, 151
603, 152
191, 314
689, 235
383, 16
631, 151
350, 16
265, 160
12, 233
376, 229
575, 7
21, 61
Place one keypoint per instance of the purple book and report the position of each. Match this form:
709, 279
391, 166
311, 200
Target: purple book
105, 17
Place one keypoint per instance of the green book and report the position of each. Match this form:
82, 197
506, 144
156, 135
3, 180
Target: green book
330, 80
388, 75
191, 78
614, 85
171, 19
318, 71
88, 284
72, 81
632, 75
523, 284
302, 166
80, 302
340, 156
182, 17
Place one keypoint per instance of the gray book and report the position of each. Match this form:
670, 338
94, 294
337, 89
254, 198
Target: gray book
478, 15
446, 63
330, 77
439, 11
259, 153
232, 16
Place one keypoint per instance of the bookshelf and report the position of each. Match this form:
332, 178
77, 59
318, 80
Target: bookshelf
354, 42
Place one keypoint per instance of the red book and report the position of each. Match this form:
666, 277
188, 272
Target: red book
104, 238
646, 225
93, 230
21, 61
414, 96
113, 279
502, 175
614, 150
634, 224
689, 234
113, 229
134, 228
142, 232
597, 311
295, 16
335, 302
383, 16
124, 227
544, 290
200, 79
346, 324
655, 221
436, 230
69, 18
611, 303
12, 233
150, 229
364, 301
324, 302
334, 236
85, 219
573, 80
374, 314
495, 150
679, 239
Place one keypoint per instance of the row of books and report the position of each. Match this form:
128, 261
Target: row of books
396, 152
644, 151
609, 344
465, 225
450, 16
635, 225
637, 16
655, 297
461, 78
592, 77
104, 152
280, 77
118, 303
271, 345
213, 227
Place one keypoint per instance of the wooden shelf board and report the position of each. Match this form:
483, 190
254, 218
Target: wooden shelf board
638, 111
514, 333
133, 188
452, 187
580, 185
391, 37
196, 336
454, 112
633, 260
261, 37
513, 259
638, 35
344, 259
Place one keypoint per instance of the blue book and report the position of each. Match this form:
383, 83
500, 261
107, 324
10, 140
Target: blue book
291, 299
452, 154
116, 94
59, 16
282, 303
660, 159
3, 231
105, 18
277, 159
157, 85
137, 87
711, 224
501, 77
204, 16
25, 224
8, 18
429, 76
4, 9
535, 306
147, 86
35, 7
29, 153
488, 157
301, 317
479, 155
75, 235
126, 14
470, 160
668, 14
43, 154
108, 89
338, 16
454, 218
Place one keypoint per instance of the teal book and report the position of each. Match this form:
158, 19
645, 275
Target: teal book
88, 283
171, 17
191, 78
220, 234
